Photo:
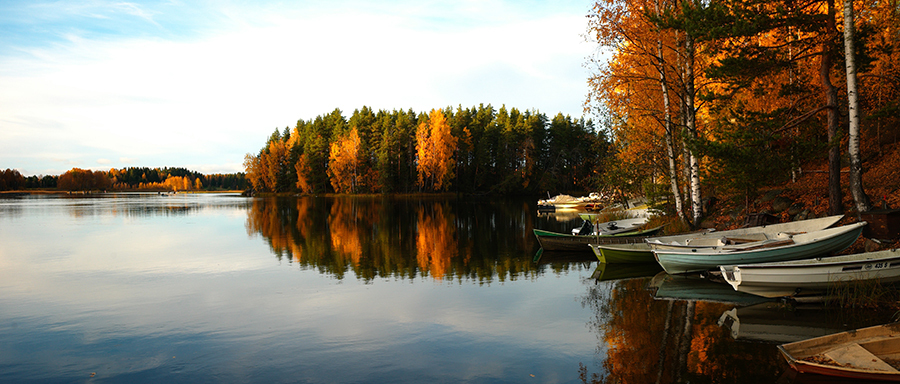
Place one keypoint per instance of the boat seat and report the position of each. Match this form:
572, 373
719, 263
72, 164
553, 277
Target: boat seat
854, 355
702, 242
738, 240
758, 245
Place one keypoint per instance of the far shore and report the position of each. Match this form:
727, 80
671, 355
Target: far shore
58, 192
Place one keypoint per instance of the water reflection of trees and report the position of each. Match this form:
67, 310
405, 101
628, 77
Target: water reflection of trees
140, 205
644, 340
405, 237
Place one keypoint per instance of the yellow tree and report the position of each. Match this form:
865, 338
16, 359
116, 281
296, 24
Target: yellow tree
635, 86
303, 171
274, 163
343, 163
434, 151
253, 170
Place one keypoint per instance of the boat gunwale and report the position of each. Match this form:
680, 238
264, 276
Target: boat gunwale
661, 240
636, 232
819, 345
816, 262
803, 366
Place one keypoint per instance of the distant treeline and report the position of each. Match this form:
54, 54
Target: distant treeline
133, 178
468, 150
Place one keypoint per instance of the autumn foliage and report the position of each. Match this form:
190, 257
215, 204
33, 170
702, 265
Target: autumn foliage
476, 150
434, 152
83, 180
131, 179
728, 98
11, 179
343, 160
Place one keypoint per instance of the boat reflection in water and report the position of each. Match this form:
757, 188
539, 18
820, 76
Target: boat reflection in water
608, 272
646, 340
671, 329
663, 329
697, 288
780, 323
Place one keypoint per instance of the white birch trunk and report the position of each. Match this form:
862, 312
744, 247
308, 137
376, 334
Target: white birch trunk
856, 189
670, 150
691, 123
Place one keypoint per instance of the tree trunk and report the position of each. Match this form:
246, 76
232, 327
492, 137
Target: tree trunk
856, 188
691, 124
670, 150
834, 150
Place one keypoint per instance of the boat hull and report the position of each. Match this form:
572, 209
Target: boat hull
808, 245
813, 275
878, 344
623, 253
683, 241
554, 241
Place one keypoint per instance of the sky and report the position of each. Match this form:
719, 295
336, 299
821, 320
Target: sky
199, 84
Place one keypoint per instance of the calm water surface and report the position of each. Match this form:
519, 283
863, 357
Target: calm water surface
219, 288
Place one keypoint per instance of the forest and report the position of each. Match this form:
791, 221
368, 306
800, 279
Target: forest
476, 150
727, 97
125, 179
693, 99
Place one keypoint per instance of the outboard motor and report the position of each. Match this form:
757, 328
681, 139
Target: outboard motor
586, 229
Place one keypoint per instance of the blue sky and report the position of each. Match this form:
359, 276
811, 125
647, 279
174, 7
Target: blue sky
112, 84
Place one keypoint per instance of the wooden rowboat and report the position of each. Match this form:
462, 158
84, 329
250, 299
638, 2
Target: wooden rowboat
815, 275
869, 353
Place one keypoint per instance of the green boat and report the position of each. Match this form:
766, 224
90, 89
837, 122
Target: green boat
624, 253
778, 247
555, 241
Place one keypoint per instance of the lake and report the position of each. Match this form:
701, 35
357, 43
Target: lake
219, 288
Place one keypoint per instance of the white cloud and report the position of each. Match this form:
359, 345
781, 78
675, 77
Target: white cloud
211, 99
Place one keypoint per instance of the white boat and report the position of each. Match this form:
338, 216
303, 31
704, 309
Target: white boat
781, 246
789, 278
717, 238
610, 227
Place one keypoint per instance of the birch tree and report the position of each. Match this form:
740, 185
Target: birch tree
856, 188
667, 121
638, 66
